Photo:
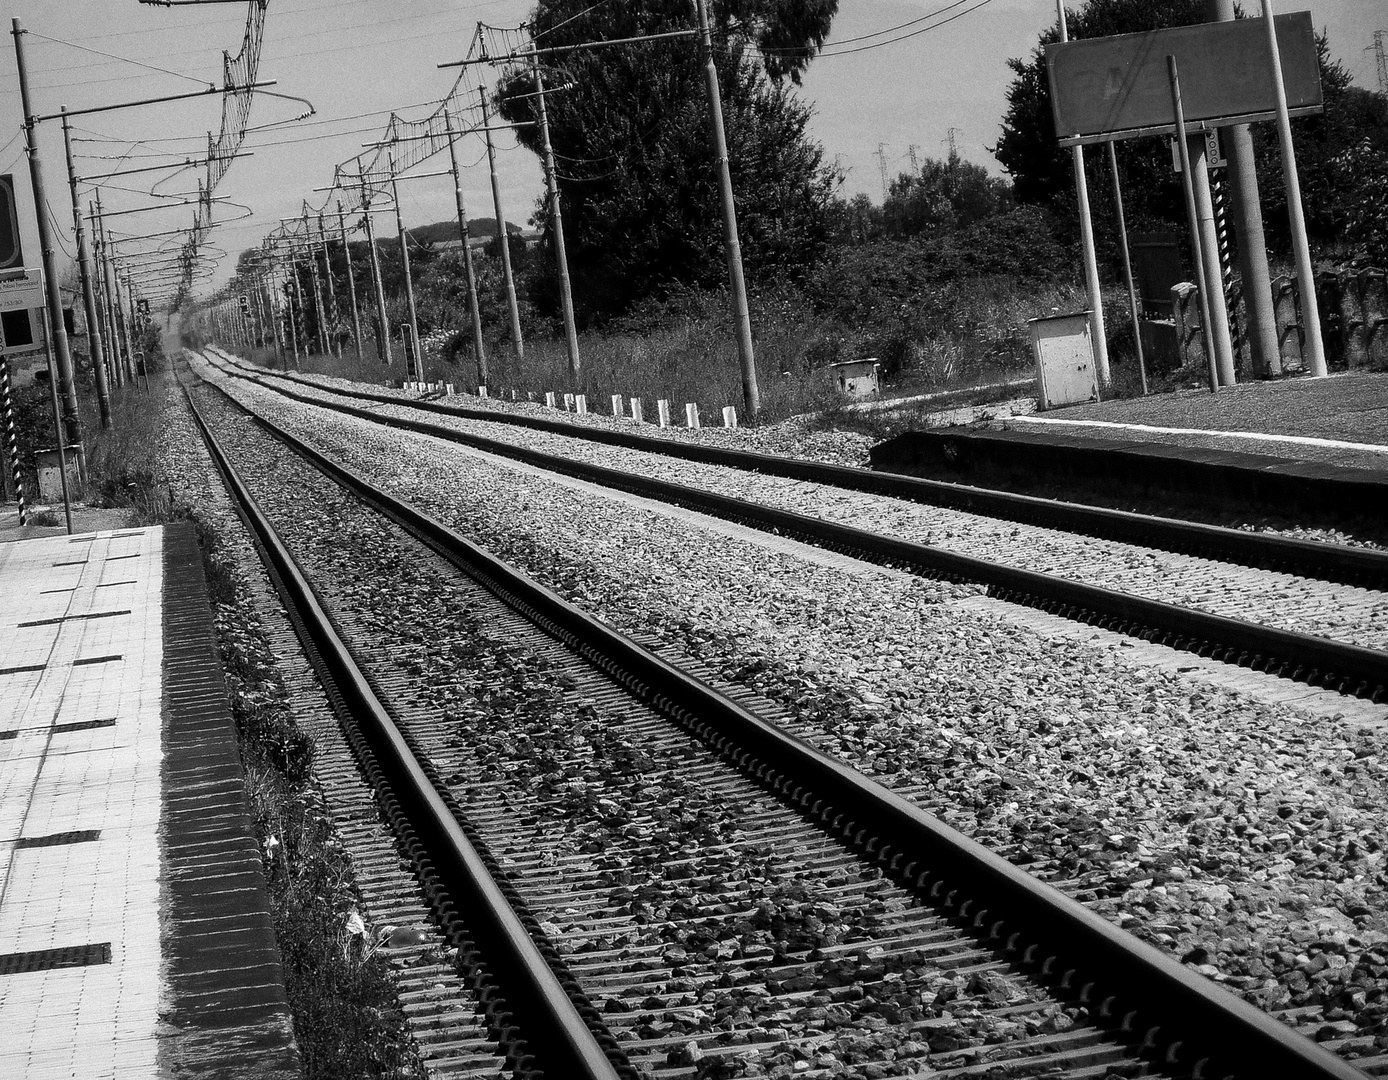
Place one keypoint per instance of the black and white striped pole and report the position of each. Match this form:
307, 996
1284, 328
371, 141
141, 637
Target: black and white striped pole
11, 440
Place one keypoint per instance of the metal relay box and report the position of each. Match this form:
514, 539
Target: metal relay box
1064, 355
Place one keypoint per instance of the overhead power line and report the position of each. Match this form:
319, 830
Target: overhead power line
830, 48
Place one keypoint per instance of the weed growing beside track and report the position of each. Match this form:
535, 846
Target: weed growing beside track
347, 1019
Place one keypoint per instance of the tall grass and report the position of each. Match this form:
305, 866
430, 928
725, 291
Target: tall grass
958, 334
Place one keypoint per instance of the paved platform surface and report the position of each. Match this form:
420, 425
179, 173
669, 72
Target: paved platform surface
1340, 420
134, 940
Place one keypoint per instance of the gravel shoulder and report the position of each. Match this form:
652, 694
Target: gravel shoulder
1246, 839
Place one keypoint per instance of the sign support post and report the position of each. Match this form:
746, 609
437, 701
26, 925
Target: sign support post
1183, 148
1127, 265
1091, 262
1313, 348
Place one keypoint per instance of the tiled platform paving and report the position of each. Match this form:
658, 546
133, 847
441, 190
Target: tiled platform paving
134, 939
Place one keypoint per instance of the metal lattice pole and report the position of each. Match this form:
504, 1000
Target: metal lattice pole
11, 441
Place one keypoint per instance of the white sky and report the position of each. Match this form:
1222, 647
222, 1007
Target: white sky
354, 57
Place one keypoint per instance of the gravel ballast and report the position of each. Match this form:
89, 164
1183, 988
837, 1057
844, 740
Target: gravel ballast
1284, 601
1244, 839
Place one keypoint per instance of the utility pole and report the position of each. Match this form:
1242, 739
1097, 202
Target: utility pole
258, 291
289, 296
99, 298
317, 287
125, 328
731, 247
1312, 347
1091, 262
556, 221
103, 296
409, 280
273, 319
351, 278
120, 344
882, 168
503, 240
464, 234
84, 269
72, 420
382, 327
332, 286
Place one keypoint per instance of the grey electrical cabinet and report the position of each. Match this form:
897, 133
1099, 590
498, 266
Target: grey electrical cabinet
1064, 355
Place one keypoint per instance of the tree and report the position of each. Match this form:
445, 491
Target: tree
1330, 194
945, 194
631, 135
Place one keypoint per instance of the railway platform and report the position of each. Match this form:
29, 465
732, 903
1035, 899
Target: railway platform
1298, 443
135, 939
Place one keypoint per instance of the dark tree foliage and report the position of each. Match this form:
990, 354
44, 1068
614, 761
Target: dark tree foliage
632, 139
949, 194
1330, 192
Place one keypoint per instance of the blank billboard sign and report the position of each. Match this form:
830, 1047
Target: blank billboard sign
1118, 87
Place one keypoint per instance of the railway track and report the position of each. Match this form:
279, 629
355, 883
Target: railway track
1288, 624
1308, 558
713, 895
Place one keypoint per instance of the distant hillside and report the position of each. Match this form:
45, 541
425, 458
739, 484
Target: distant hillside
448, 230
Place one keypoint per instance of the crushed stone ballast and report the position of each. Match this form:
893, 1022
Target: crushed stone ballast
1242, 639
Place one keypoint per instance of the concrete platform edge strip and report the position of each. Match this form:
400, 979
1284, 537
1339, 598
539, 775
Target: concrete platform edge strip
207, 1031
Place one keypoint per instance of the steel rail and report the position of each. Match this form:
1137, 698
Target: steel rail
1309, 658
554, 1031
1183, 1020
1308, 558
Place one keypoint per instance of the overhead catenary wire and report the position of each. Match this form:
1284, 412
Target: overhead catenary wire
125, 59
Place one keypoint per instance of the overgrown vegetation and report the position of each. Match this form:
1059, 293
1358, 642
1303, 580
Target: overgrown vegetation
347, 1020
